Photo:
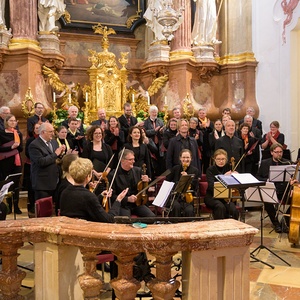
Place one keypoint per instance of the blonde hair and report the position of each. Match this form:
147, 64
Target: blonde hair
80, 169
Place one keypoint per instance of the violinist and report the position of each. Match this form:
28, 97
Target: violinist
78, 202
128, 176
221, 208
184, 205
276, 159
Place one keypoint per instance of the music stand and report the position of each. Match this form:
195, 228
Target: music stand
4, 185
181, 188
15, 178
241, 182
263, 194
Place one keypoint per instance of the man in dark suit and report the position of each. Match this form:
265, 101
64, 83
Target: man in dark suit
182, 141
101, 119
231, 144
127, 120
154, 130
263, 175
43, 152
250, 111
36, 118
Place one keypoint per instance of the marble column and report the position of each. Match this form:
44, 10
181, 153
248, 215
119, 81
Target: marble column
181, 44
23, 22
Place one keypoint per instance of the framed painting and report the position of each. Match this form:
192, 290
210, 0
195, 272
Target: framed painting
121, 15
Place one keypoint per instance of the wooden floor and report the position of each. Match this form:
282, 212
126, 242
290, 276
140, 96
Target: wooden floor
266, 283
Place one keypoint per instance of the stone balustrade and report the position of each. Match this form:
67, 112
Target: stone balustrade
215, 258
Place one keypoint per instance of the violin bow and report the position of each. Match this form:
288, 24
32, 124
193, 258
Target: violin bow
113, 179
103, 172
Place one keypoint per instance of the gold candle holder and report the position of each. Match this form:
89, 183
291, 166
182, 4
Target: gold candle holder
133, 106
54, 114
86, 110
166, 113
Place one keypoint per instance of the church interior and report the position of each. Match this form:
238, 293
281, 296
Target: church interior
102, 54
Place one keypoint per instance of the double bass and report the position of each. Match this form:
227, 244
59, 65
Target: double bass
295, 212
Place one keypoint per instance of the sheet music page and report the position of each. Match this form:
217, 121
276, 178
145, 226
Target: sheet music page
244, 178
163, 193
4, 190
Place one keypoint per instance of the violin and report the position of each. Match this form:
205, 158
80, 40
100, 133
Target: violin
188, 196
105, 201
142, 198
234, 192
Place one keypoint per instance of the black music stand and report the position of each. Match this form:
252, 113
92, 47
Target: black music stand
240, 182
15, 178
263, 194
181, 188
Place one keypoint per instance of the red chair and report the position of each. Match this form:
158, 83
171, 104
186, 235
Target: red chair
44, 207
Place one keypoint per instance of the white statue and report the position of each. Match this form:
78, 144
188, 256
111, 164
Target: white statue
49, 11
2, 14
205, 23
152, 21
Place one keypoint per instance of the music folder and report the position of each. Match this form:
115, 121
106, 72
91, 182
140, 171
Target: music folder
220, 191
238, 180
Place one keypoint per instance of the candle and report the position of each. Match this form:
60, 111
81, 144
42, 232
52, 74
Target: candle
132, 98
148, 98
86, 97
54, 97
165, 100
70, 99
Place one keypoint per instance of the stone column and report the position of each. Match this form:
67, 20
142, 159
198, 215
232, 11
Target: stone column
125, 285
23, 22
10, 276
181, 44
163, 287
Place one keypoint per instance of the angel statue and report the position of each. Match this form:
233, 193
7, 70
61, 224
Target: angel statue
143, 96
67, 92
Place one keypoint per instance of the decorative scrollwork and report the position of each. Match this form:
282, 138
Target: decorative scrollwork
28, 104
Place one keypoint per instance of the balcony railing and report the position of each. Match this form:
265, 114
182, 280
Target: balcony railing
215, 257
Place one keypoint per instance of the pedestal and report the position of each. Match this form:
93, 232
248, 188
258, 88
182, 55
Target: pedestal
49, 43
5, 36
204, 53
158, 52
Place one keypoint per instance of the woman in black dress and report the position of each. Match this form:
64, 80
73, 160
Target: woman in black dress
10, 159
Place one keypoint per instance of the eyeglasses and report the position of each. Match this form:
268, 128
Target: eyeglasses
130, 159
277, 152
97, 133
220, 159
11, 120
49, 131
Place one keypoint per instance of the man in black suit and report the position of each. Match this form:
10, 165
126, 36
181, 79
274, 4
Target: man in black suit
101, 119
182, 141
127, 120
250, 111
43, 152
36, 118
263, 175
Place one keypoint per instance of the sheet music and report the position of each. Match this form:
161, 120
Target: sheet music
244, 178
163, 193
4, 190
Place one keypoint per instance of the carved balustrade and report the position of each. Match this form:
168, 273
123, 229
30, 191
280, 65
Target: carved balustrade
58, 239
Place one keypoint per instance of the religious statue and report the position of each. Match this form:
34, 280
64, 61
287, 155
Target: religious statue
152, 22
49, 11
2, 14
205, 23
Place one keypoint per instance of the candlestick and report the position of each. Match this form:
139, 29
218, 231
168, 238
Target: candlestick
54, 97
70, 99
86, 97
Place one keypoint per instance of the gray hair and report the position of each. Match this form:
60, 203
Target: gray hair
4, 108
153, 108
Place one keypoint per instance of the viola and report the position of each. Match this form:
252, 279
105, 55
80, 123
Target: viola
142, 198
188, 196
